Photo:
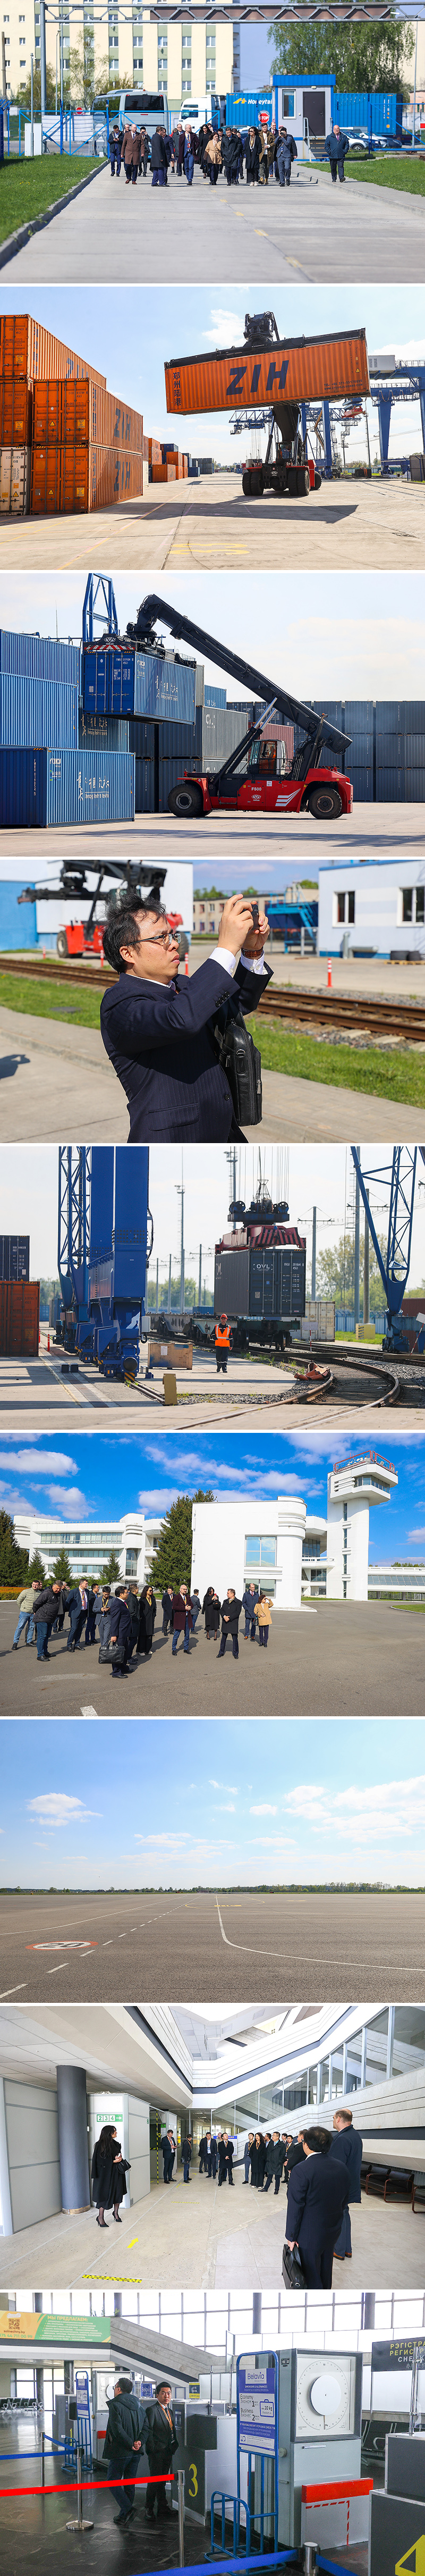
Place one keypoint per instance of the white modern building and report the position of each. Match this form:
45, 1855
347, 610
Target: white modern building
377, 906
291, 1554
89, 1544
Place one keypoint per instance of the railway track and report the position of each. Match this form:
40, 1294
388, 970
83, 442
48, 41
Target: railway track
404, 1021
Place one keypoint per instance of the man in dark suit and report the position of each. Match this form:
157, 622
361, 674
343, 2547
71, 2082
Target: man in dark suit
317, 2196
294, 2152
158, 1028
168, 2150
77, 1604
120, 1627
161, 2441
348, 2145
125, 2437
230, 1616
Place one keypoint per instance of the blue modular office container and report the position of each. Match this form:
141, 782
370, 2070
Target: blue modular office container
40, 657
23, 776
85, 785
18, 922
380, 112
36, 712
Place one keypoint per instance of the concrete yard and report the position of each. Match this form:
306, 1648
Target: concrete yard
173, 1947
378, 525
41, 1394
219, 234
200, 2235
334, 1660
370, 831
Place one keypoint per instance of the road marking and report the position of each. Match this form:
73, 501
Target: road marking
12, 1990
132, 2240
63, 1945
88, 1712
58, 1972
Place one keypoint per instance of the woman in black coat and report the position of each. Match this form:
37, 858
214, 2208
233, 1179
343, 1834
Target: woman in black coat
262, 2152
147, 1617
252, 155
211, 1612
255, 2162
108, 2171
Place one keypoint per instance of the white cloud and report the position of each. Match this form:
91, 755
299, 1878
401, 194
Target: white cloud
225, 328
393, 1808
225, 1784
225, 1811
54, 1808
38, 1463
68, 1498
263, 1811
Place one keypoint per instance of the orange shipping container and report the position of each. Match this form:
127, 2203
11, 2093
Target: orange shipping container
19, 1318
159, 473
26, 349
290, 371
171, 474
68, 412
68, 479
15, 412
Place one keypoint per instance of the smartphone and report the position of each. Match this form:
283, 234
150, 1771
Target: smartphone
255, 916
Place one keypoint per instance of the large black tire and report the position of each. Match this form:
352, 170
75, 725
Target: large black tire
303, 481
186, 800
257, 484
317, 480
325, 803
61, 944
246, 484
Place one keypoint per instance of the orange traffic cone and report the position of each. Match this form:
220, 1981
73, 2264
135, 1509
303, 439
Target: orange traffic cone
48, 1341
329, 976
186, 965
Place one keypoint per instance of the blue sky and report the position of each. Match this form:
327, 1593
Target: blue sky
129, 332
68, 1475
320, 1174
289, 1810
318, 633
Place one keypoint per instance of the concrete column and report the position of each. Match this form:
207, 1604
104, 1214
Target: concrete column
256, 2311
291, 1525
5, 2198
368, 2306
117, 2303
73, 2150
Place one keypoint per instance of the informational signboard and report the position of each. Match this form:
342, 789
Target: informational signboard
399, 2355
257, 2407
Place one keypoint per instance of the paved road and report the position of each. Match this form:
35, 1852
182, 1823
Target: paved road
174, 1948
315, 233
252, 1398
364, 1660
369, 525
384, 831
36, 1057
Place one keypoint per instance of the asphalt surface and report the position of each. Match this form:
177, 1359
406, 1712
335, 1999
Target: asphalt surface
371, 525
339, 1660
177, 1948
45, 1062
383, 830
213, 235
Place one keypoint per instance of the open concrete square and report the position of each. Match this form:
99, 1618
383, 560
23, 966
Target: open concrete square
176, 1946
371, 525
338, 1659
222, 234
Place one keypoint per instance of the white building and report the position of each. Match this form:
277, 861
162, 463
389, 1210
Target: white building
89, 1544
128, 49
377, 904
288, 1553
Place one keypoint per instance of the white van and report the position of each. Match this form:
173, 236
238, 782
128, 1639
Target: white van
144, 107
200, 111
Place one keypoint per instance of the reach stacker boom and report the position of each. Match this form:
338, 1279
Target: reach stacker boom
257, 777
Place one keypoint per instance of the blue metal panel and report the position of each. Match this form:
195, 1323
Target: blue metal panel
164, 689
94, 682
103, 733
37, 711
390, 786
131, 1225
101, 1203
40, 657
121, 683
145, 787
380, 112
85, 785
213, 696
23, 788
18, 929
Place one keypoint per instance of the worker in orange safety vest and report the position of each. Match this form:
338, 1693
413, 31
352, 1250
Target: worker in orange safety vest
223, 1343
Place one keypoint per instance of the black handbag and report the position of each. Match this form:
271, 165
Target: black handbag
292, 2270
241, 1063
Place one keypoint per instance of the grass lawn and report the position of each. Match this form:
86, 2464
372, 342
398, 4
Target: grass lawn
391, 171
27, 187
51, 1001
393, 1076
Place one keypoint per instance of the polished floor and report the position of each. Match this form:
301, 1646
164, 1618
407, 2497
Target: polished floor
204, 2237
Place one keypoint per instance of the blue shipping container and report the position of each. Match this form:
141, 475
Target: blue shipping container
380, 112
85, 785
103, 733
37, 712
141, 684
40, 657
18, 922
214, 697
23, 776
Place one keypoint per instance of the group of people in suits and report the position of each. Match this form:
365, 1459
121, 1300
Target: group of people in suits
322, 2172
121, 1616
133, 2430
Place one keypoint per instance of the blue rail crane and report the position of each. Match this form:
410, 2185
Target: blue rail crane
105, 1237
399, 1178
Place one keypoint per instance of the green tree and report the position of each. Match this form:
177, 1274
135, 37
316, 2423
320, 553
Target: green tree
62, 1571
173, 1560
23, 94
110, 1572
360, 57
13, 1559
190, 1292
331, 1268
36, 1569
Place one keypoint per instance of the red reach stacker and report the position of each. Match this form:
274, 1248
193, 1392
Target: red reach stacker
276, 376
257, 777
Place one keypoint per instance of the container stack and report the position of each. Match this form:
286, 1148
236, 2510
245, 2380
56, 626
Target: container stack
66, 444
47, 775
167, 464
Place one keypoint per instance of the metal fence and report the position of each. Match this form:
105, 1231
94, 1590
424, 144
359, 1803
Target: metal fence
82, 133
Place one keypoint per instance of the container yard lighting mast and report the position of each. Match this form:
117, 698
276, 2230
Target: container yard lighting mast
398, 1177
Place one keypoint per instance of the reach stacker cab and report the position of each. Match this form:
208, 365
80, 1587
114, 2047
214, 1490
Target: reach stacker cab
257, 777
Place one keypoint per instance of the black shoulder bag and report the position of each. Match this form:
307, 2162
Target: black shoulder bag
240, 1061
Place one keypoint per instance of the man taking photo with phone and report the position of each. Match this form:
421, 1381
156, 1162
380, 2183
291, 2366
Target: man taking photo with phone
158, 1027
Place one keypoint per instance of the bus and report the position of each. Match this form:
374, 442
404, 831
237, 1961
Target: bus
144, 107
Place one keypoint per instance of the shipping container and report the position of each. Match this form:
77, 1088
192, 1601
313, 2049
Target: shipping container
27, 349
331, 366
14, 1256
159, 473
171, 474
23, 785
19, 1318
108, 680
40, 657
37, 711
390, 786
164, 689
78, 413
83, 786
15, 480
213, 696
15, 412
261, 1283
377, 111
69, 479
103, 733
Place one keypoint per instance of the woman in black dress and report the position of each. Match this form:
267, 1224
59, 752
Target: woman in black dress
147, 1617
211, 1612
108, 2172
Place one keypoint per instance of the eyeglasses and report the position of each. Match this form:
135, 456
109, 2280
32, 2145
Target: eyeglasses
163, 939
